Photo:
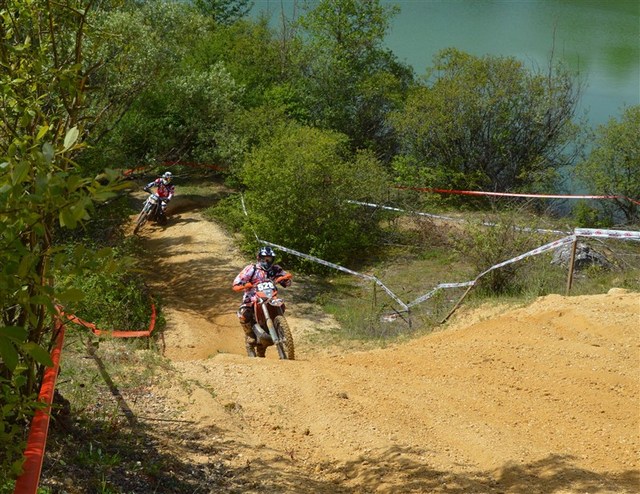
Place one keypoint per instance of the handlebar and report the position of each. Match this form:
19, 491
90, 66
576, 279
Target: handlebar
248, 286
282, 278
239, 288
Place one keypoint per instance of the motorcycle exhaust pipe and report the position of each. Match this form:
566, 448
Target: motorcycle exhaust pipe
260, 333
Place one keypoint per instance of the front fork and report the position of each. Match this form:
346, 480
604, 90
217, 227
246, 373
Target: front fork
270, 326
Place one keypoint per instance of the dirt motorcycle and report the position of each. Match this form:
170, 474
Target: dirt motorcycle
270, 326
151, 211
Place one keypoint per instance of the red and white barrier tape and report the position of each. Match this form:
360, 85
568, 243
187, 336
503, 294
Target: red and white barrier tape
448, 218
140, 169
597, 232
515, 194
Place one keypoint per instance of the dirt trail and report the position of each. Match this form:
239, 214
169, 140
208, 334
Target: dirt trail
539, 399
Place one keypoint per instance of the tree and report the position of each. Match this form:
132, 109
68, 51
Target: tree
224, 11
42, 191
613, 165
297, 190
351, 81
182, 117
487, 123
251, 54
45, 108
139, 54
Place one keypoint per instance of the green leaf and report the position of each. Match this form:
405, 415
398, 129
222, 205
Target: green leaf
20, 172
16, 466
38, 353
67, 218
8, 353
71, 138
43, 130
48, 152
42, 300
25, 266
71, 295
14, 333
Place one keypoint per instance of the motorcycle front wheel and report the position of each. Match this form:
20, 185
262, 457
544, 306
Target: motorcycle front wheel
141, 219
285, 347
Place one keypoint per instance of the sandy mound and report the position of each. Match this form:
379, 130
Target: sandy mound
538, 399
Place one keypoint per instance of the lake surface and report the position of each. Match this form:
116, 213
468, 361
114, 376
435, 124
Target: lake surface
598, 38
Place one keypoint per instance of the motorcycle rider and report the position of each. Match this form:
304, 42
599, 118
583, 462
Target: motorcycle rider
164, 188
263, 270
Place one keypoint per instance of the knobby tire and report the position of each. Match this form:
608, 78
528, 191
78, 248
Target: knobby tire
284, 333
141, 220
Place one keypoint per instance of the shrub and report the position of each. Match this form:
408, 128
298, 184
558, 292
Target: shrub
298, 188
484, 246
15, 413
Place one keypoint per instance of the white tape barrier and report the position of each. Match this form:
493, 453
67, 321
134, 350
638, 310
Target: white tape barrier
417, 213
448, 218
582, 232
339, 268
441, 286
594, 232
539, 250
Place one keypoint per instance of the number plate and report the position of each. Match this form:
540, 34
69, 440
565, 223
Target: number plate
265, 285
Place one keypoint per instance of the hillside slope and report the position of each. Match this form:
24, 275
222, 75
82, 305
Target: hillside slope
538, 399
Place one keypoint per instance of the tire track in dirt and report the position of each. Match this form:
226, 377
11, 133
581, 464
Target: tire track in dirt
537, 399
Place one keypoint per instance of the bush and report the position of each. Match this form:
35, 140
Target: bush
485, 246
298, 188
15, 414
586, 216
113, 295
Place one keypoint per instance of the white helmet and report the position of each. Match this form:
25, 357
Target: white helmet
166, 178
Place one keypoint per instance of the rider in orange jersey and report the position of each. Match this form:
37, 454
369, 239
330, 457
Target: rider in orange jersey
264, 269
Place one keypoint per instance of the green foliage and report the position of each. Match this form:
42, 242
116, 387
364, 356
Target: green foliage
43, 193
298, 186
613, 166
182, 117
228, 211
250, 52
40, 186
350, 79
586, 216
161, 107
92, 456
15, 408
224, 11
112, 299
486, 123
485, 246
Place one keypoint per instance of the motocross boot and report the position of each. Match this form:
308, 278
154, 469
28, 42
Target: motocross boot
248, 331
260, 351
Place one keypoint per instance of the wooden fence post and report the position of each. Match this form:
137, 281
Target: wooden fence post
571, 263
457, 304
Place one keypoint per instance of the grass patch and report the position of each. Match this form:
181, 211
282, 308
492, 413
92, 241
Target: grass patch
422, 253
108, 427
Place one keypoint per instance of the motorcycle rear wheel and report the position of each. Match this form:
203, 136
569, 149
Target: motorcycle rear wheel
285, 347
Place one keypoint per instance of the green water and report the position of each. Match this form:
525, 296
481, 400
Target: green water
598, 38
